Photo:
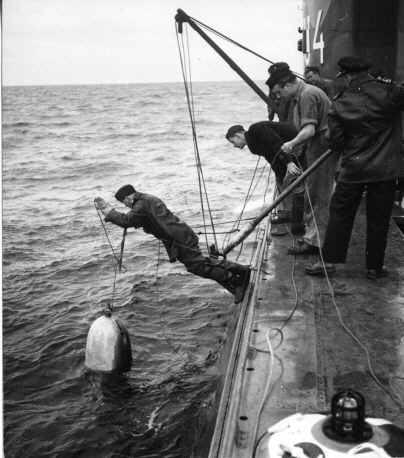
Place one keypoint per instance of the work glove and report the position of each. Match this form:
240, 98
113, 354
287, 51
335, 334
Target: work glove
102, 206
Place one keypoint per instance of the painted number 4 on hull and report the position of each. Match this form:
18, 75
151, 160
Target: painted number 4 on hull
318, 39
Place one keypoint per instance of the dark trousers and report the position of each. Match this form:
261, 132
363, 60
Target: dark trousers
204, 266
343, 207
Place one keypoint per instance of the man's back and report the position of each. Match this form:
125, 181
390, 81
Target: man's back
152, 215
265, 138
365, 123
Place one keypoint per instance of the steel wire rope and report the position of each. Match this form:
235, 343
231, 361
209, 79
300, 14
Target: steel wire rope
190, 75
184, 73
393, 394
296, 303
271, 352
265, 193
111, 306
223, 222
237, 44
289, 317
293, 280
398, 400
190, 103
252, 255
248, 197
236, 224
264, 397
263, 204
391, 383
158, 304
258, 442
199, 163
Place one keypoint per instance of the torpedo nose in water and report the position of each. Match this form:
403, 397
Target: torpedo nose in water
108, 345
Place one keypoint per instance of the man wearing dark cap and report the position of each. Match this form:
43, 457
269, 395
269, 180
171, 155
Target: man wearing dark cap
285, 109
365, 125
311, 106
151, 214
313, 76
265, 139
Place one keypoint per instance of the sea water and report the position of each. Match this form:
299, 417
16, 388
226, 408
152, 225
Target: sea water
62, 147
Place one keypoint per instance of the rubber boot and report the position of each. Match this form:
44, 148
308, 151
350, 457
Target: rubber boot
240, 285
223, 277
232, 276
238, 282
235, 268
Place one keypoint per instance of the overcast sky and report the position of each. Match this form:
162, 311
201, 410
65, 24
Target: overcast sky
134, 41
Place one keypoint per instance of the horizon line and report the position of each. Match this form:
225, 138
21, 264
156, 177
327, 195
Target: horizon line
121, 84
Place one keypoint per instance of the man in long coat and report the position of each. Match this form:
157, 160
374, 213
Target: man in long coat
365, 125
151, 214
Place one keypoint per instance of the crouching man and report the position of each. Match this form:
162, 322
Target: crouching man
151, 214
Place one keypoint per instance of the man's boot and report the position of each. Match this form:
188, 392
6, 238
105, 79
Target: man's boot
235, 268
240, 285
232, 276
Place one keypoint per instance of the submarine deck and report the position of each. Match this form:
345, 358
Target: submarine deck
314, 356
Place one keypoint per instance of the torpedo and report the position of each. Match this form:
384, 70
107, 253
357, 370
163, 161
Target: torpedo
108, 345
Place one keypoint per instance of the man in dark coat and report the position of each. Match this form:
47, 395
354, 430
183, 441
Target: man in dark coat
365, 125
151, 214
265, 139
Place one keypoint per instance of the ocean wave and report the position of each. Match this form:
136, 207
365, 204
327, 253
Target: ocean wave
60, 124
18, 124
61, 275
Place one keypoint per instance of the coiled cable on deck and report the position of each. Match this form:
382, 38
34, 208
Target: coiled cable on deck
397, 399
391, 392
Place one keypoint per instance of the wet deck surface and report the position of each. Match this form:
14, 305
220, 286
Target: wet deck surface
317, 356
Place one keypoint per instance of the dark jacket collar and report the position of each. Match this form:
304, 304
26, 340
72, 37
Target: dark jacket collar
136, 197
360, 80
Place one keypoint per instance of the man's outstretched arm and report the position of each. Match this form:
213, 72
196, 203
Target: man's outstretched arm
123, 220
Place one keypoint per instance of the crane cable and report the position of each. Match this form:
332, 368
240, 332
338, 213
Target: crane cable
190, 102
206, 27
118, 260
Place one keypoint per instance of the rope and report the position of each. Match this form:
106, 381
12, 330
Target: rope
393, 395
225, 222
248, 196
190, 102
118, 260
237, 44
158, 303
